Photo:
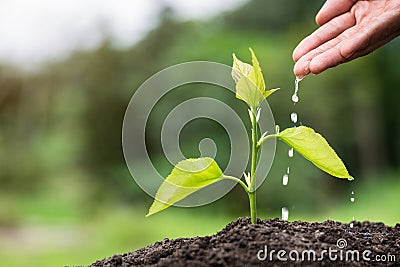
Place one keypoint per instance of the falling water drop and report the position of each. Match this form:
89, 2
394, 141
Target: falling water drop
293, 117
352, 196
295, 97
352, 200
285, 179
291, 152
285, 214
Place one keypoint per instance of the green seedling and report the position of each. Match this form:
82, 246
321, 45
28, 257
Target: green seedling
191, 175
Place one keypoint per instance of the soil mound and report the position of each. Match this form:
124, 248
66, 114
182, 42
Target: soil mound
241, 243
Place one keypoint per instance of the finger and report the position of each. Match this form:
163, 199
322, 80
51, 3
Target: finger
323, 34
333, 8
333, 52
302, 66
358, 42
326, 60
354, 41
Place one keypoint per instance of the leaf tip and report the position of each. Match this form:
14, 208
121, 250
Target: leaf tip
156, 207
150, 212
267, 93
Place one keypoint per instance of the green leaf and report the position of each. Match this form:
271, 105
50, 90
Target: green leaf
269, 92
316, 149
248, 92
256, 74
250, 84
187, 177
240, 69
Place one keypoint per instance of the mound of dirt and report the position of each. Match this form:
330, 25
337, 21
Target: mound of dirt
274, 243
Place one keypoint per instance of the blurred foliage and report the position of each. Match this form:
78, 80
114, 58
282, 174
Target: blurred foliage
60, 126
267, 16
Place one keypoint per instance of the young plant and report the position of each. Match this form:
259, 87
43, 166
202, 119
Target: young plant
191, 175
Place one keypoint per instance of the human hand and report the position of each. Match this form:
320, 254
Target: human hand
348, 29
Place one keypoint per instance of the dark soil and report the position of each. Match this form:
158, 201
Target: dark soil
239, 243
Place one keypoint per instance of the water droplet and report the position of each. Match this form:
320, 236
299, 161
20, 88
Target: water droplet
295, 98
288, 170
285, 179
352, 199
285, 214
293, 117
291, 152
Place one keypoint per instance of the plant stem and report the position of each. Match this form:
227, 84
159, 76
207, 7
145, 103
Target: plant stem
252, 187
237, 180
261, 141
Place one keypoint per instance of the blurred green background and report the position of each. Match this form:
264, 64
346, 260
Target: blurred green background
66, 195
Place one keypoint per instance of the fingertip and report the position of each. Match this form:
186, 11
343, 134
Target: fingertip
301, 69
296, 52
295, 55
300, 76
321, 18
318, 19
324, 15
315, 67
300, 50
359, 42
318, 64
326, 60
332, 9
347, 50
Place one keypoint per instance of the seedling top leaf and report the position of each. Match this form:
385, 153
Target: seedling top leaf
250, 85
